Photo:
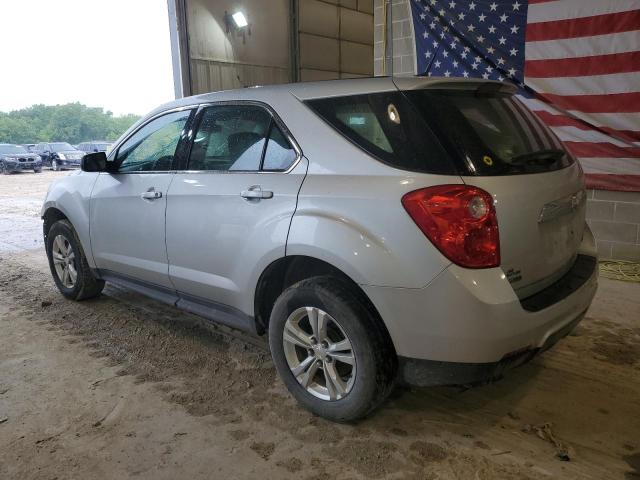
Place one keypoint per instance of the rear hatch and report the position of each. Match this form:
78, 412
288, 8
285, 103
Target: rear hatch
538, 188
481, 132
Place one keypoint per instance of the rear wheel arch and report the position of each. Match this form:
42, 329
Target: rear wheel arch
286, 271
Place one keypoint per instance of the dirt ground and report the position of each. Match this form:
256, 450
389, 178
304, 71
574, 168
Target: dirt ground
122, 386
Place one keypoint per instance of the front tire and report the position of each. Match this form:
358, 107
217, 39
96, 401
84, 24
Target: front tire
37, 170
54, 166
329, 349
4, 170
68, 263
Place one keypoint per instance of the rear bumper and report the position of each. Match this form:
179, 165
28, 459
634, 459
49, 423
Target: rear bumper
474, 318
424, 373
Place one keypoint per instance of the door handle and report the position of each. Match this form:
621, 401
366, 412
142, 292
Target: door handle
151, 194
255, 192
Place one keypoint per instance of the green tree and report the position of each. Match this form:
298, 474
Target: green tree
73, 123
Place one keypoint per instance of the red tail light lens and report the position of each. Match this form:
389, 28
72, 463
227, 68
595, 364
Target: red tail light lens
460, 221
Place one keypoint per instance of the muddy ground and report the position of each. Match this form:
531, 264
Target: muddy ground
121, 386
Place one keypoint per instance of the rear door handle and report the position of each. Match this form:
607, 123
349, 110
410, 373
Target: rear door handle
255, 192
151, 194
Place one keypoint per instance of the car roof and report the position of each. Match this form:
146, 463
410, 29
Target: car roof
329, 88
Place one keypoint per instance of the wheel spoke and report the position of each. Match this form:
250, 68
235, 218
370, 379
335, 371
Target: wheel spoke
57, 258
306, 378
294, 334
304, 365
69, 250
312, 315
335, 385
59, 244
341, 346
65, 275
343, 357
73, 273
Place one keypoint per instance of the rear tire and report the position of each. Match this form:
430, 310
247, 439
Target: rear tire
68, 263
367, 377
37, 170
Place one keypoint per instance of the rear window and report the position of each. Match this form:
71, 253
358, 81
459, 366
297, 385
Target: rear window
446, 131
492, 133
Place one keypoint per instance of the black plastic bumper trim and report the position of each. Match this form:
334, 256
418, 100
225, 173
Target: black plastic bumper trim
429, 373
578, 274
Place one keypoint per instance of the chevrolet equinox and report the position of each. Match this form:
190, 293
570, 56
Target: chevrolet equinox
430, 231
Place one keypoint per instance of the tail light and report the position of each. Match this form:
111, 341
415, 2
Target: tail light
460, 221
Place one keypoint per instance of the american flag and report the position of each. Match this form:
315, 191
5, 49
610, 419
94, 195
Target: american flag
577, 63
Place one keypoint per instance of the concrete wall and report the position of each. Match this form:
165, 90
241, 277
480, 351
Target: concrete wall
401, 29
335, 39
221, 60
614, 218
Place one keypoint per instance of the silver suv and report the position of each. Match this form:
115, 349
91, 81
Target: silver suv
424, 230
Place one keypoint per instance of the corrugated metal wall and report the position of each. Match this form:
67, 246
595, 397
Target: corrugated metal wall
335, 39
221, 60
290, 40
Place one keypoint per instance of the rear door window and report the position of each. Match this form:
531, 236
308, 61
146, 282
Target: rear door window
240, 138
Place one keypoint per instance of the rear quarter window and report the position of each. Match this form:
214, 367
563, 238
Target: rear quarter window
389, 128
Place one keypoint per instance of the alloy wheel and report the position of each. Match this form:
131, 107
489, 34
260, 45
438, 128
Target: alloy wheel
54, 165
319, 353
64, 261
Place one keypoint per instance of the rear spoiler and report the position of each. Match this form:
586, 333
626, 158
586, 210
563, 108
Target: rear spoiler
481, 87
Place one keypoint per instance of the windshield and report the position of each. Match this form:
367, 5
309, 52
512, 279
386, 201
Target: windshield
61, 147
9, 149
491, 133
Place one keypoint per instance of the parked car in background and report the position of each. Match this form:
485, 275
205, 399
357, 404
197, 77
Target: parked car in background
29, 146
59, 155
95, 146
427, 229
16, 158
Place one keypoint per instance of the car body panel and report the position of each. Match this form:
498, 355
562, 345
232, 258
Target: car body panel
241, 237
71, 195
536, 251
473, 316
128, 231
357, 223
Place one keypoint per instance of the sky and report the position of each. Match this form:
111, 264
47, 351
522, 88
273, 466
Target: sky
114, 54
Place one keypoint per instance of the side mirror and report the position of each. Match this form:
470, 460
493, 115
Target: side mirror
94, 162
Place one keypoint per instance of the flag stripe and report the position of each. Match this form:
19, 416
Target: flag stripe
621, 166
575, 134
612, 103
593, 65
595, 150
624, 183
616, 121
577, 47
565, 9
584, 27
557, 120
614, 83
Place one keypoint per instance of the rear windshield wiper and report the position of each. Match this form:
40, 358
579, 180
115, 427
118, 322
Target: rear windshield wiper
546, 155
